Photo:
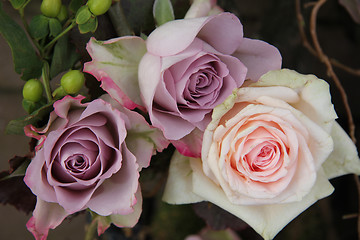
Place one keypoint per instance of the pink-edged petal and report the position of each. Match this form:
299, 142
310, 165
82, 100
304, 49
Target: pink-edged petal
128, 220
176, 36
142, 139
62, 107
45, 216
190, 145
116, 195
35, 178
131, 219
115, 64
60, 110
144, 144
258, 56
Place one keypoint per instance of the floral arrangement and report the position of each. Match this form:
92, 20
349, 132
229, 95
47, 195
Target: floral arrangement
186, 111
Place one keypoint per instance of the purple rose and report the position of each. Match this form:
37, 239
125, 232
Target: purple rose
90, 158
193, 65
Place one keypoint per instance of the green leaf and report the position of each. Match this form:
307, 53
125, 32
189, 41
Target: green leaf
55, 27
64, 57
89, 26
25, 60
17, 126
20, 171
119, 21
163, 11
83, 15
75, 5
30, 106
138, 14
162, 228
39, 26
17, 4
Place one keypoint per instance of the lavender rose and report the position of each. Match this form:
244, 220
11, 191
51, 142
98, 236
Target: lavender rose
187, 67
192, 65
89, 158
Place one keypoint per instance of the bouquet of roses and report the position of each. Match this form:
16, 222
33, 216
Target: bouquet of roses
190, 100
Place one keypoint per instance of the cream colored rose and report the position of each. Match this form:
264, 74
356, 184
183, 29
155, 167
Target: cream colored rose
268, 152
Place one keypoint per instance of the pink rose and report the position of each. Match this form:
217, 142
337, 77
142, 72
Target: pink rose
268, 152
187, 67
90, 158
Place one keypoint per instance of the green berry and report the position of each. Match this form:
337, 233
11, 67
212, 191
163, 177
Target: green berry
99, 7
72, 81
50, 8
33, 90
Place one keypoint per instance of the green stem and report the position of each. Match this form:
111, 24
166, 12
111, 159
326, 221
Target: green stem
119, 20
52, 42
46, 81
91, 230
26, 26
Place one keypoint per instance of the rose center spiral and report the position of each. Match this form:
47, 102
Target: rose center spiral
263, 158
77, 163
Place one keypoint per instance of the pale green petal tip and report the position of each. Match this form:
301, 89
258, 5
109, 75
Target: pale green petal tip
178, 189
344, 159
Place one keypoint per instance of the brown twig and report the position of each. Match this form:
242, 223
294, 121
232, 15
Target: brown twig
324, 58
338, 84
308, 46
317, 51
342, 66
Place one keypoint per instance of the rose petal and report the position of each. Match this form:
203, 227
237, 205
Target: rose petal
321, 144
202, 8
142, 139
128, 220
45, 216
175, 36
344, 159
115, 64
267, 220
62, 106
166, 121
35, 178
73, 200
149, 78
315, 98
258, 56
190, 145
116, 195
131, 219
178, 189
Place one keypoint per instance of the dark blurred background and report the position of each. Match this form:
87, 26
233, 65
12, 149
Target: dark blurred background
273, 21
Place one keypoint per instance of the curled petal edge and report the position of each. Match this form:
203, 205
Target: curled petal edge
45, 216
